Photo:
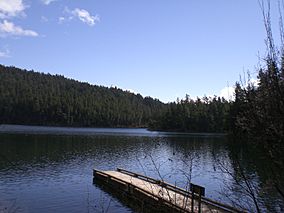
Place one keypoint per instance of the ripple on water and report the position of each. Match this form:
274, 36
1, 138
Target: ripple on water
53, 173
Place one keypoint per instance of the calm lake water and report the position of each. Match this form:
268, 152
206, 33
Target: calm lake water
48, 169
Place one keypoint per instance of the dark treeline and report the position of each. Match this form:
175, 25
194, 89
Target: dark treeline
258, 110
200, 115
258, 119
258, 116
28, 97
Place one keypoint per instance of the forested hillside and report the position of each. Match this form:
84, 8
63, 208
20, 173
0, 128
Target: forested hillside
28, 97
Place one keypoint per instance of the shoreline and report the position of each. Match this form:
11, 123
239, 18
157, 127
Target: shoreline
62, 130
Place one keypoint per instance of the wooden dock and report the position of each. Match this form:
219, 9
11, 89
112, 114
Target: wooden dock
160, 195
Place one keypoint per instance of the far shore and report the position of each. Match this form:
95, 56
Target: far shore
61, 130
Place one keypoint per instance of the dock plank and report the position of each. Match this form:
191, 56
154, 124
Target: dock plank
181, 201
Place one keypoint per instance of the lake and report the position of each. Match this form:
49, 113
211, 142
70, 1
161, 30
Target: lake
50, 169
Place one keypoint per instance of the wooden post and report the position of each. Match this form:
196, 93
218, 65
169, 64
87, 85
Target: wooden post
198, 190
199, 202
192, 201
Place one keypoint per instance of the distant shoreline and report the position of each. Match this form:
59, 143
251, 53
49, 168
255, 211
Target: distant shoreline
57, 130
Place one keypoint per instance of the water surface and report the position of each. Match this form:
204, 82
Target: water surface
49, 169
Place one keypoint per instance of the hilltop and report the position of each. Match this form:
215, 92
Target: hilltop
29, 97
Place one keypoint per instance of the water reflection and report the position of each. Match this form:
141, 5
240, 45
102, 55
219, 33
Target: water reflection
252, 169
56, 170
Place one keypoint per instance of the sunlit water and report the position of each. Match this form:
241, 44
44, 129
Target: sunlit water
51, 169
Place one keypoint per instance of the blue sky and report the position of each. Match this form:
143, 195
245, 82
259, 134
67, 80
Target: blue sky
159, 48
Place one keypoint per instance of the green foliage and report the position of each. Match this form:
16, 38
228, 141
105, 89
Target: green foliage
258, 111
28, 97
206, 115
258, 116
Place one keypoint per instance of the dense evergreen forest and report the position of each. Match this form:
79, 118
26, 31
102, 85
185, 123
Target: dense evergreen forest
200, 115
28, 97
258, 113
